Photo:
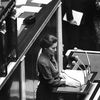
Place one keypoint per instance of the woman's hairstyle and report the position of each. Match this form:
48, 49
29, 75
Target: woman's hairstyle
48, 41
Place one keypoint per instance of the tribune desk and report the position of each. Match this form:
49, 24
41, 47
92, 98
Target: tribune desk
80, 93
28, 36
90, 91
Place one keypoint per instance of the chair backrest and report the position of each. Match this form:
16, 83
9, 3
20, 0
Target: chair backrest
39, 53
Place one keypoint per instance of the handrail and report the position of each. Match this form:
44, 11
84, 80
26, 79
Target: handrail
25, 45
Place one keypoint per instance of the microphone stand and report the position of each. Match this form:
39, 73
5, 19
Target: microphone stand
85, 74
88, 68
84, 70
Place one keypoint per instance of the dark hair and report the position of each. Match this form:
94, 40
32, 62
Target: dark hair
48, 41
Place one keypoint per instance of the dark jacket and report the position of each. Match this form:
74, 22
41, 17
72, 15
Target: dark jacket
67, 8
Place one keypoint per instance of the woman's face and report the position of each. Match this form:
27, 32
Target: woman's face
53, 48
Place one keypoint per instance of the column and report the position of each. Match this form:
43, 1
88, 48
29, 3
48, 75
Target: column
22, 79
59, 35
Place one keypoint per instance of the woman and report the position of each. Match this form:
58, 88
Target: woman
49, 76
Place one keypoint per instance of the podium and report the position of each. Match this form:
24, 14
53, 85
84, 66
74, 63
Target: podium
86, 92
79, 93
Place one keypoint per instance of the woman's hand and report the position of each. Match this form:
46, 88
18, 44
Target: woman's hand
62, 74
73, 22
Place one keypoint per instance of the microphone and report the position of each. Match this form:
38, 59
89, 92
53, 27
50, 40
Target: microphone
87, 57
76, 64
89, 66
85, 74
81, 61
84, 70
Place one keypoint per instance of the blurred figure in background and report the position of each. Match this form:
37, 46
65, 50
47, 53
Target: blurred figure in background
67, 9
84, 35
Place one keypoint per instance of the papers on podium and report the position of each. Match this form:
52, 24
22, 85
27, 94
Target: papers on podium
78, 75
76, 15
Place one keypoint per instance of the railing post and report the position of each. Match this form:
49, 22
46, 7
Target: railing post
22, 79
59, 35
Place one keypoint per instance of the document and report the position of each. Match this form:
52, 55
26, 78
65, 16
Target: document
41, 1
76, 15
78, 75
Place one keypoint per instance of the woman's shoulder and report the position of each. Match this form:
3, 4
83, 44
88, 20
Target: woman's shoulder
44, 59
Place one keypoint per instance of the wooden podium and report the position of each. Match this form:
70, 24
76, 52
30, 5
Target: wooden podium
79, 93
86, 92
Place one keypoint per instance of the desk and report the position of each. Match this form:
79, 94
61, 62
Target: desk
84, 93
29, 35
91, 95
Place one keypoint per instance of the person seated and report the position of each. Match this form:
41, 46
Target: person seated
48, 73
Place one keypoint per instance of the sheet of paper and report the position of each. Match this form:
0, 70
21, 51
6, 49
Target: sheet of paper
27, 9
20, 2
76, 15
41, 1
78, 75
